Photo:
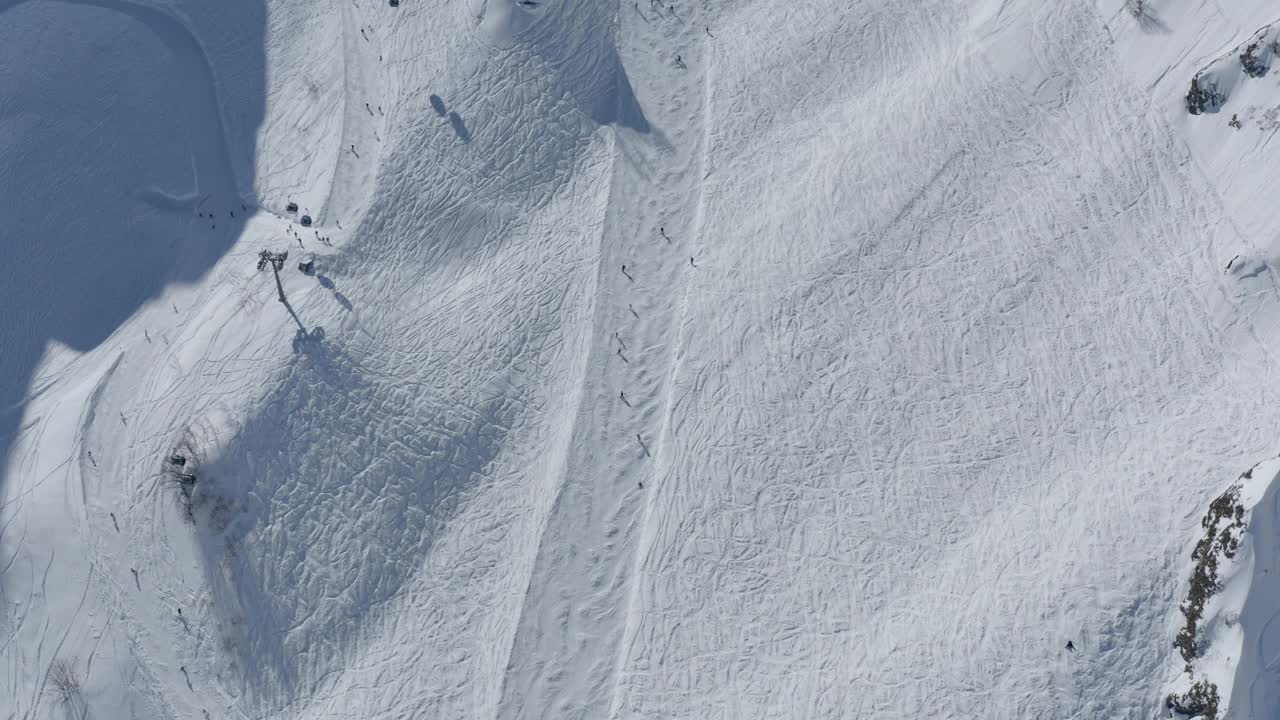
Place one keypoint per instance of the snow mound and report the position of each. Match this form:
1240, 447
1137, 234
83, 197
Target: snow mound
501, 22
1213, 87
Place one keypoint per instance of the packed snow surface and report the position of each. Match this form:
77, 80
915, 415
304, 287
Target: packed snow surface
738, 360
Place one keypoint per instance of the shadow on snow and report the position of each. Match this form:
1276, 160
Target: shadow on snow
111, 149
326, 502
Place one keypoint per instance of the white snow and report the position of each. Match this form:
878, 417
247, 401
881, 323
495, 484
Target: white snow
847, 366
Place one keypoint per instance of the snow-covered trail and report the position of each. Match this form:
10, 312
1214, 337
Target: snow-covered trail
577, 616
359, 145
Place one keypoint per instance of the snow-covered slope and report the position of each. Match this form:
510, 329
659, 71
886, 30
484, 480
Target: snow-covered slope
1239, 646
739, 360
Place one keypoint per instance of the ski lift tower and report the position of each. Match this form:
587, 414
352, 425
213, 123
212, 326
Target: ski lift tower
276, 260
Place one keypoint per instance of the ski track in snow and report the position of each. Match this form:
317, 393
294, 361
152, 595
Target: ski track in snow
619, 441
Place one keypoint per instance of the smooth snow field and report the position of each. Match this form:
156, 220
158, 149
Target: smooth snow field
694, 360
